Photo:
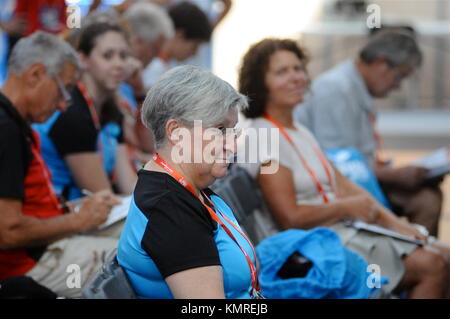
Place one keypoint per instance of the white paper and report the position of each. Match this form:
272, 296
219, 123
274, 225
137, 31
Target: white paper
118, 212
436, 159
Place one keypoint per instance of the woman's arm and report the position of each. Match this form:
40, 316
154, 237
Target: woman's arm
126, 176
197, 283
383, 216
279, 192
88, 172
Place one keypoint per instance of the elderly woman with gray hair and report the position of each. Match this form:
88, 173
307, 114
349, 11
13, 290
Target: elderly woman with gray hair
181, 240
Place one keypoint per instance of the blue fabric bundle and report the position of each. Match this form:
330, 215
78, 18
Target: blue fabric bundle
336, 273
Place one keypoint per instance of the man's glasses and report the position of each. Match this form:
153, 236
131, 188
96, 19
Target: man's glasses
64, 92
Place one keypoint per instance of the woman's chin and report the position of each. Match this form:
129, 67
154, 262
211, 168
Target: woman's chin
220, 170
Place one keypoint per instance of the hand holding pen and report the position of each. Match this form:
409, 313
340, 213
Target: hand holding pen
94, 209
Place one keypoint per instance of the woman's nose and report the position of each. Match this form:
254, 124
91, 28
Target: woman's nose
230, 146
300, 76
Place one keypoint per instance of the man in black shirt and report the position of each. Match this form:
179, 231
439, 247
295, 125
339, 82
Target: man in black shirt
41, 69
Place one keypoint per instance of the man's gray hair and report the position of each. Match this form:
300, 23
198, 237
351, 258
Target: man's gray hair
396, 46
148, 21
188, 93
42, 47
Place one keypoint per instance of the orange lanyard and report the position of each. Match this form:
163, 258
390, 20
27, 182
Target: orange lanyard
94, 115
256, 289
378, 140
90, 104
311, 172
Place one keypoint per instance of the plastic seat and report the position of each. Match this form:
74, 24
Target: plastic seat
110, 283
241, 193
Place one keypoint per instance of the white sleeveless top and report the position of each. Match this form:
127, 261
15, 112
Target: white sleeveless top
275, 147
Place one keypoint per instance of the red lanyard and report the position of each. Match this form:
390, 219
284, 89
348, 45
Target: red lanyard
311, 172
256, 289
45, 173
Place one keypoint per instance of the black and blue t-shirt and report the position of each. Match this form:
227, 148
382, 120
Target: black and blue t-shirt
168, 230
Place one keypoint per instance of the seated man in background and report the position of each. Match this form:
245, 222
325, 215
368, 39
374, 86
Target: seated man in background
149, 27
36, 237
192, 28
340, 112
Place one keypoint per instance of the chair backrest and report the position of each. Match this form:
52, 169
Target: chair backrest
111, 282
241, 193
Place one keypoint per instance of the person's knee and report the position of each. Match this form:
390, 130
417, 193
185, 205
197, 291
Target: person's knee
430, 200
425, 209
427, 262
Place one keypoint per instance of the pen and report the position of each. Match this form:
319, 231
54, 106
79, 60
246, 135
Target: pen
87, 192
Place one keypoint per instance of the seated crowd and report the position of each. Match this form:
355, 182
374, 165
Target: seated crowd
91, 116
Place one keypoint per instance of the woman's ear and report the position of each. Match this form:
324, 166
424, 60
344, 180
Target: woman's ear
177, 134
172, 131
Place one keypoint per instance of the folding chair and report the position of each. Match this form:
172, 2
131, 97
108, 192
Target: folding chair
110, 283
241, 193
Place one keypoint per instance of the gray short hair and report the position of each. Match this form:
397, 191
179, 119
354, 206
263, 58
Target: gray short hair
188, 93
397, 47
45, 48
107, 16
148, 21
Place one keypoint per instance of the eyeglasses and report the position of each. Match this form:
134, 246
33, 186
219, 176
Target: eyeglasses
228, 132
400, 76
64, 92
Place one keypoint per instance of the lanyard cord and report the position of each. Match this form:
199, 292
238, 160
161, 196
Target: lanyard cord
91, 106
180, 179
376, 135
311, 172
94, 115
253, 271
46, 176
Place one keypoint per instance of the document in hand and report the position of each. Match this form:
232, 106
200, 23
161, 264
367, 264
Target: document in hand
118, 212
438, 163
357, 224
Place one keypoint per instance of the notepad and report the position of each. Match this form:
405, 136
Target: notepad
118, 212
438, 163
360, 225
434, 160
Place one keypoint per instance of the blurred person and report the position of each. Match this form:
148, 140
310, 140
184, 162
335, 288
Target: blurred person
10, 27
176, 242
36, 238
149, 27
83, 146
106, 16
307, 191
192, 28
44, 15
216, 11
340, 112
